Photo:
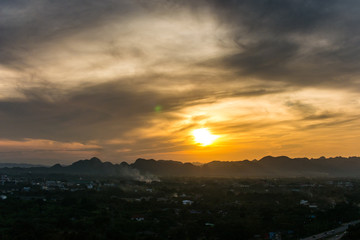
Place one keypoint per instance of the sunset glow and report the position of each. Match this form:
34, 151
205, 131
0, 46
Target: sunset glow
127, 79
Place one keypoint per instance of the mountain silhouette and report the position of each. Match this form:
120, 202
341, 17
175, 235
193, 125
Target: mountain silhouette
268, 166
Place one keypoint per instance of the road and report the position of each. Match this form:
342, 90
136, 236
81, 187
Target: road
334, 234
336, 237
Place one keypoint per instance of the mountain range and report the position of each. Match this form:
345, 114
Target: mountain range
269, 166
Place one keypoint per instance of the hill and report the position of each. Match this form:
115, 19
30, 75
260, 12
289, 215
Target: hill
268, 166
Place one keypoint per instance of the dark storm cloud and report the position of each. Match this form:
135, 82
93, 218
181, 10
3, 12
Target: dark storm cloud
282, 40
266, 33
99, 111
274, 16
267, 59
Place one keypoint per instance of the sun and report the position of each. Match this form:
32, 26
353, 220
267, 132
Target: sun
203, 136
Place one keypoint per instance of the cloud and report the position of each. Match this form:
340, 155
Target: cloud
32, 24
44, 151
134, 77
98, 111
298, 42
306, 43
44, 145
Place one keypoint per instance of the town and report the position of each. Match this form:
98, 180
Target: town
73, 206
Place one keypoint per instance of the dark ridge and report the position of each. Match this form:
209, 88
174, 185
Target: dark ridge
57, 166
268, 166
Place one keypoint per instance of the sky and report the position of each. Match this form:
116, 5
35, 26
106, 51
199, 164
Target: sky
127, 79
